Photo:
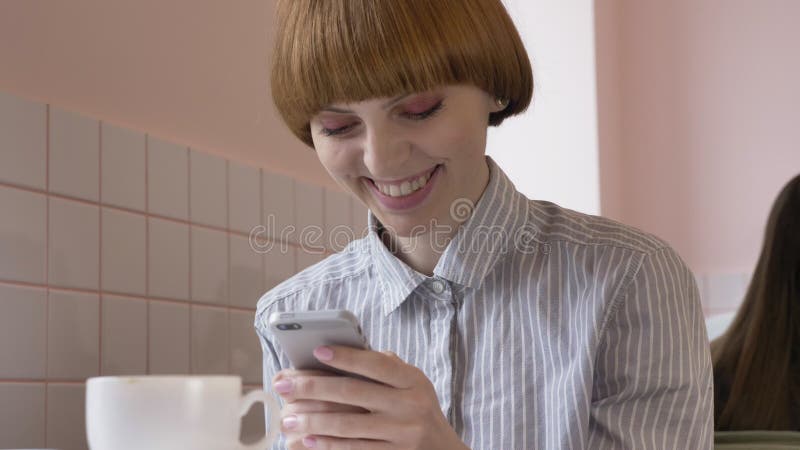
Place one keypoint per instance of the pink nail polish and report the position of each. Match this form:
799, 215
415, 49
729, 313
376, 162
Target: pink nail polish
283, 386
289, 422
323, 353
309, 442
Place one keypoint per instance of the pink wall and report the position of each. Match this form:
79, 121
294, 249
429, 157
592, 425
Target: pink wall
609, 131
194, 72
699, 103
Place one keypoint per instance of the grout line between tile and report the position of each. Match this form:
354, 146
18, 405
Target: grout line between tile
228, 268
40, 381
121, 294
100, 251
189, 216
146, 256
191, 324
46, 264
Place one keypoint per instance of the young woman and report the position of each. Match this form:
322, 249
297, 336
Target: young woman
757, 360
503, 322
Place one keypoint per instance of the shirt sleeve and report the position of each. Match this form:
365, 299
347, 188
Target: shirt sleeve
653, 382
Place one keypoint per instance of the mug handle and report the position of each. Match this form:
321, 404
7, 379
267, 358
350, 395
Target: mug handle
270, 406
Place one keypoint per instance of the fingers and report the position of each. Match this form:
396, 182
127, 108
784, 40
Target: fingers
301, 407
344, 390
292, 372
384, 367
332, 443
317, 406
344, 425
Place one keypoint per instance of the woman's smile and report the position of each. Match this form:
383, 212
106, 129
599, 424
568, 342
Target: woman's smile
406, 193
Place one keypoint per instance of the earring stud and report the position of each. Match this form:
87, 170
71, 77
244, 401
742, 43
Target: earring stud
501, 102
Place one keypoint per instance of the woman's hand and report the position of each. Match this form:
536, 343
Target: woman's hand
294, 439
397, 411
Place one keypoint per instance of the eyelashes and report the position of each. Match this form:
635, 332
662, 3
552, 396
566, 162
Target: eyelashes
413, 116
426, 114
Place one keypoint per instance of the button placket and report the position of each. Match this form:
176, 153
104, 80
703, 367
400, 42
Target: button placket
446, 332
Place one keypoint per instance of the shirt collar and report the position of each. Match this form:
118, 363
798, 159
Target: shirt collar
491, 232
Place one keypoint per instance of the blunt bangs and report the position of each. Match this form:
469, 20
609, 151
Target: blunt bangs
329, 51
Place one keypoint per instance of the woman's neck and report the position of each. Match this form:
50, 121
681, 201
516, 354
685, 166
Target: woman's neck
422, 251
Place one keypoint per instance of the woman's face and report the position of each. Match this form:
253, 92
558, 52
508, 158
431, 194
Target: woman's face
408, 158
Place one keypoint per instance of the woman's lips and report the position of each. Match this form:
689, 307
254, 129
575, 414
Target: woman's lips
411, 178
407, 201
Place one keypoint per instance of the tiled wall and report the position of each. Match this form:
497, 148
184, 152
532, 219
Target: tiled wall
122, 253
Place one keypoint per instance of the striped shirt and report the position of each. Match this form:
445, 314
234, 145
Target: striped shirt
555, 330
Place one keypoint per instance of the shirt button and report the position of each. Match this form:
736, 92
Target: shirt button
438, 286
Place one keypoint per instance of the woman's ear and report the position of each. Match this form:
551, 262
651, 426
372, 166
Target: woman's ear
497, 104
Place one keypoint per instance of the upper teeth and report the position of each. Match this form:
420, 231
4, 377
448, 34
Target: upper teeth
405, 188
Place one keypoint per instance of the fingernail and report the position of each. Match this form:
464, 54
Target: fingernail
309, 442
323, 353
289, 422
283, 386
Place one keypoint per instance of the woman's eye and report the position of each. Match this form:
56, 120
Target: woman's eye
413, 116
334, 131
425, 114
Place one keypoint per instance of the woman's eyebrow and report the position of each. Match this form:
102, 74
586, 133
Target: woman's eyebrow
387, 105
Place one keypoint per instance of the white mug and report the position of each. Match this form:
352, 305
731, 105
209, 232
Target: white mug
171, 412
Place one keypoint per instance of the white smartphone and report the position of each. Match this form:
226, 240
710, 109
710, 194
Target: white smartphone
300, 332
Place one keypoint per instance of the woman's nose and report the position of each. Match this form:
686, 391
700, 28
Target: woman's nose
384, 153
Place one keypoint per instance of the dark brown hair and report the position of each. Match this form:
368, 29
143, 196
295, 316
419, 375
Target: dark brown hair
757, 360
330, 51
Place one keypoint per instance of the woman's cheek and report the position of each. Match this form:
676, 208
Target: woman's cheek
463, 138
442, 141
338, 161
